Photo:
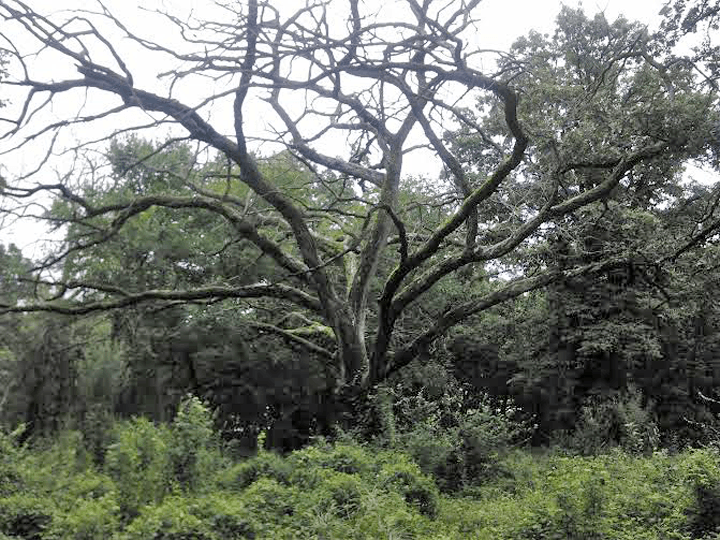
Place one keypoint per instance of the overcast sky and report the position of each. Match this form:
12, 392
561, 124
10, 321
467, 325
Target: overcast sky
502, 21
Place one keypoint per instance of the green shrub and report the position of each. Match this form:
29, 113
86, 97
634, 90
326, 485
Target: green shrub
387, 515
438, 453
52, 464
485, 435
26, 516
406, 479
10, 481
227, 517
269, 499
617, 421
263, 465
84, 487
616, 496
703, 474
207, 517
194, 451
307, 464
10, 455
460, 446
340, 493
704, 515
346, 491
350, 458
139, 464
88, 519
173, 519
96, 427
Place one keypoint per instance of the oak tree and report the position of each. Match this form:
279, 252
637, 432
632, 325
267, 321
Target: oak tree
524, 141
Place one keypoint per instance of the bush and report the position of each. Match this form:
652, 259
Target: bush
703, 476
616, 421
52, 464
210, 517
263, 465
387, 516
347, 491
26, 516
340, 494
307, 464
269, 499
10, 454
228, 517
616, 496
139, 463
88, 519
406, 479
96, 428
173, 519
704, 515
194, 451
460, 446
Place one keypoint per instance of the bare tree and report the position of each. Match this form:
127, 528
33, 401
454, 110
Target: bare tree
388, 89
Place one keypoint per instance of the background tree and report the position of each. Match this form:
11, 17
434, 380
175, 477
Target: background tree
595, 339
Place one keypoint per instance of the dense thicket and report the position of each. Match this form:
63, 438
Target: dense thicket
177, 481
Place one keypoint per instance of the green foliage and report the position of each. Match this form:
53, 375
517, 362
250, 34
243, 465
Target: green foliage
703, 477
309, 463
87, 519
270, 501
228, 517
590, 338
405, 478
193, 451
350, 491
172, 519
139, 464
41, 373
616, 496
61, 468
96, 428
341, 493
620, 420
102, 378
10, 479
26, 516
264, 465
455, 435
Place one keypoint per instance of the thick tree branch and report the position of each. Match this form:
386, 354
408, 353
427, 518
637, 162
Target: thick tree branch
128, 209
510, 290
283, 292
619, 171
494, 252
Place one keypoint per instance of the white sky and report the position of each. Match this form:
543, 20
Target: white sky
502, 21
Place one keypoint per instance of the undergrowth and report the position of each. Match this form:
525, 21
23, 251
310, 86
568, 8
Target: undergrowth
151, 486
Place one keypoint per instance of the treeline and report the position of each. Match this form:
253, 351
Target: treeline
636, 345
633, 350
